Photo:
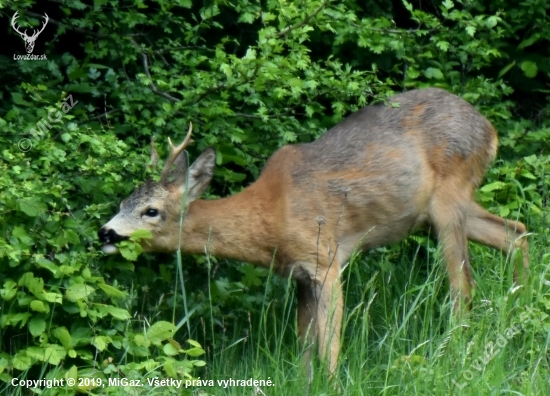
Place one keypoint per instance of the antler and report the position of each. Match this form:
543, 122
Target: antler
13, 19
35, 34
154, 155
43, 26
174, 153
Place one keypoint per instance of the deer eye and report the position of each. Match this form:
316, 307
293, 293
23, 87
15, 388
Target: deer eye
151, 212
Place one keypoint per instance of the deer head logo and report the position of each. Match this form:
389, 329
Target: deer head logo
29, 40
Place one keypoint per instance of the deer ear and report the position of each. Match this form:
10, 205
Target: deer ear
200, 174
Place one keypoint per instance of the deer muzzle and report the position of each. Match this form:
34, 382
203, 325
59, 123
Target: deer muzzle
108, 237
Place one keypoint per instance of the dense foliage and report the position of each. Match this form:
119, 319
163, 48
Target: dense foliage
252, 76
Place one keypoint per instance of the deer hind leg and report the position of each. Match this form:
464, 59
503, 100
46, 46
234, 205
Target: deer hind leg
448, 215
494, 231
320, 304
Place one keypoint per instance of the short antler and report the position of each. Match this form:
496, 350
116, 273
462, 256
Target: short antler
154, 155
174, 153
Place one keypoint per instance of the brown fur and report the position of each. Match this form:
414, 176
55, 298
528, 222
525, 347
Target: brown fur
369, 181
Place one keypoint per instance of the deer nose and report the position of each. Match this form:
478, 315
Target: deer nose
103, 235
109, 236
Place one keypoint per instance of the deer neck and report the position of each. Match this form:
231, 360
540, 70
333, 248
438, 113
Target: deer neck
237, 227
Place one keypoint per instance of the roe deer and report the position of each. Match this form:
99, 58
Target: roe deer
381, 173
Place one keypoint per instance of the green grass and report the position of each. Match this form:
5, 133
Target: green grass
400, 337
399, 334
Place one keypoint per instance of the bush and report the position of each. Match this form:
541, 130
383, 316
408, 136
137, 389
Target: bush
252, 76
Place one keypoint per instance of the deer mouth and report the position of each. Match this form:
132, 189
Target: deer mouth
109, 249
108, 238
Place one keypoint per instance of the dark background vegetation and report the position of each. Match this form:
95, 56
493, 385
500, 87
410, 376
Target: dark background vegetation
251, 76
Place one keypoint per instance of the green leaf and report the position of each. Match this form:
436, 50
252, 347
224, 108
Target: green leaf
252, 275
525, 173
21, 361
140, 349
32, 206
72, 237
471, 30
247, 17
112, 291
160, 331
38, 306
72, 373
9, 290
529, 41
268, 16
21, 234
529, 68
53, 297
5, 377
63, 335
17, 98
226, 69
194, 343
432, 72
118, 313
506, 68
54, 354
531, 160
169, 349
504, 211
443, 45
140, 340
21, 318
492, 21
498, 185
100, 342
78, 291
37, 326
185, 3
80, 88
35, 285
169, 367
47, 264
36, 353
194, 352
140, 234
130, 250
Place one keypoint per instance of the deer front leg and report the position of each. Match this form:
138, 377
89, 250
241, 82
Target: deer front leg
307, 327
320, 304
329, 318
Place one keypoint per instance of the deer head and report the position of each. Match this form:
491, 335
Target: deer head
29, 40
156, 206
